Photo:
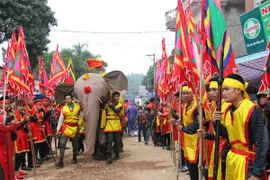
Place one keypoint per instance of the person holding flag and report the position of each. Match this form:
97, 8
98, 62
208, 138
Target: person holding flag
189, 127
46, 108
245, 129
209, 134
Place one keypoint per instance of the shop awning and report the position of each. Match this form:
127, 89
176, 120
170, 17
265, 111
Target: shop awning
251, 67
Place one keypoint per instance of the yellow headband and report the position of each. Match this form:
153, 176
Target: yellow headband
236, 84
186, 88
213, 85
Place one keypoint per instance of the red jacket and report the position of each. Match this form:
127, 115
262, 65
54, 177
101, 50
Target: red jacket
7, 148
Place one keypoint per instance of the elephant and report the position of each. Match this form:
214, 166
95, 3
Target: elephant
93, 90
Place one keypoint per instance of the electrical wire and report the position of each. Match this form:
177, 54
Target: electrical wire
105, 43
96, 32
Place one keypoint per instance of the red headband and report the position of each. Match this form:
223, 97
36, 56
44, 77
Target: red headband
38, 103
46, 99
6, 101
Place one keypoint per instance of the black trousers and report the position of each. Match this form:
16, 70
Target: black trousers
113, 137
193, 171
40, 149
167, 140
81, 138
142, 129
49, 139
19, 160
29, 157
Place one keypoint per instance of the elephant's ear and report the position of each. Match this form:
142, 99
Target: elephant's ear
116, 80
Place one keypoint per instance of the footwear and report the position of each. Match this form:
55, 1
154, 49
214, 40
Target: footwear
116, 157
40, 160
184, 169
18, 176
121, 150
60, 162
46, 158
37, 165
25, 168
74, 159
22, 173
109, 161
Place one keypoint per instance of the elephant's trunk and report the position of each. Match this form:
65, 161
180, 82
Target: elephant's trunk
91, 114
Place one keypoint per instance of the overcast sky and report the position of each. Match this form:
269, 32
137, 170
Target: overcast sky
122, 51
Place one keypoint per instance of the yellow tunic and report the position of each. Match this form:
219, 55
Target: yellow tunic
190, 140
239, 155
113, 123
81, 125
224, 107
71, 118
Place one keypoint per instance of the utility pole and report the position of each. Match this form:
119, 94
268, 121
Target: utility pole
153, 58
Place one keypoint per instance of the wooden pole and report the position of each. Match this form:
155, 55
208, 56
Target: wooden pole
32, 147
200, 116
179, 157
219, 108
33, 152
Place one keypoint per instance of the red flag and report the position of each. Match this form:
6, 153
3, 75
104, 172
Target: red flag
180, 72
42, 77
266, 75
159, 70
9, 65
195, 60
95, 63
71, 79
214, 29
166, 86
58, 70
22, 76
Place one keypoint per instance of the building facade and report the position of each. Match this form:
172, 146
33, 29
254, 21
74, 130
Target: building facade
232, 10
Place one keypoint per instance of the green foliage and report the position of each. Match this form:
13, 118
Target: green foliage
148, 80
134, 81
36, 18
3, 54
78, 54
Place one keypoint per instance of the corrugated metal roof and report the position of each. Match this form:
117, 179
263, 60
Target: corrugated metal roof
251, 67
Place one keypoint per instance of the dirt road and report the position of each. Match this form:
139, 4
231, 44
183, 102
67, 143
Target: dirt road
139, 161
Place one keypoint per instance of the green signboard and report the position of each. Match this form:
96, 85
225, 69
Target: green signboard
256, 28
265, 14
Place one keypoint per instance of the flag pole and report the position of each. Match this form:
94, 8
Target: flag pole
219, 107
179, 157
5, 134
200, 115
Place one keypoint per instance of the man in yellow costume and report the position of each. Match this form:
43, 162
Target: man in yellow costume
189, 127
113, 126
210, 134
68, 125
245, 129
